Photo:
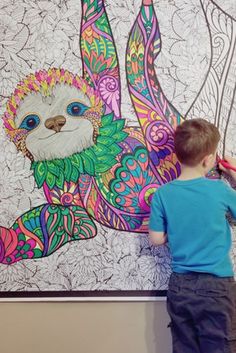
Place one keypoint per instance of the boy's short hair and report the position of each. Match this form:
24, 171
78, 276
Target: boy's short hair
194, 139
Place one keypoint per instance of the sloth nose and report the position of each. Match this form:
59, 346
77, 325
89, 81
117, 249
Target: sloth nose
56, 123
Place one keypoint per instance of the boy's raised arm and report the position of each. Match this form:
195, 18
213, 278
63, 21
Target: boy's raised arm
230, 172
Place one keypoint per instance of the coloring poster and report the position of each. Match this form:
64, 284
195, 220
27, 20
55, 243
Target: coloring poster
91, 92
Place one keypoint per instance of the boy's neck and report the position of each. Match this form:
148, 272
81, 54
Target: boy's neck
188, 173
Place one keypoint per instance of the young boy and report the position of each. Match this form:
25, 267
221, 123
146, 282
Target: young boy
190, 212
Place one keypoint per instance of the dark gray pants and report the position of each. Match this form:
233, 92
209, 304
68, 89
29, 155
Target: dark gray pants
202, 311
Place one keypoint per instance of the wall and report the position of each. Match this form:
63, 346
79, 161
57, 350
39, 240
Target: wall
84, 328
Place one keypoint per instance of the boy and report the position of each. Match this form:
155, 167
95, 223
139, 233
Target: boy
191, 213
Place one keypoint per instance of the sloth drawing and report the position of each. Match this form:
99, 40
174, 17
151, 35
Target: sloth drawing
91, 166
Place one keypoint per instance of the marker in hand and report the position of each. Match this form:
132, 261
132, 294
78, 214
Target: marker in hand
227, 165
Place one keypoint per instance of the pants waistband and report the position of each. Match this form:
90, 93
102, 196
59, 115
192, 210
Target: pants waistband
196, 275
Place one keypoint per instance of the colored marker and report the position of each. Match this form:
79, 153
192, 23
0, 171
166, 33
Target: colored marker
227, 165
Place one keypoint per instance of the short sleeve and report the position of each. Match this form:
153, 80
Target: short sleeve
230, 198
157, 221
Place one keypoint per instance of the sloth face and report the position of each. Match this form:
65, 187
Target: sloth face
56, 125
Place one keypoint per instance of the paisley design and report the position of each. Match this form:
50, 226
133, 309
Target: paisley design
130, 180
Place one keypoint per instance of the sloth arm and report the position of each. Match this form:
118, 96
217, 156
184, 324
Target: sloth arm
99, 56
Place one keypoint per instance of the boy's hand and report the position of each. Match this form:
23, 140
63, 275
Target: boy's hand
230, 172
157, 238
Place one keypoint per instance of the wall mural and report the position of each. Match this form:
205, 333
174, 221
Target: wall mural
87, 134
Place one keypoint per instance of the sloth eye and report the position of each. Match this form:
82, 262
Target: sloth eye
30, 122
76, 109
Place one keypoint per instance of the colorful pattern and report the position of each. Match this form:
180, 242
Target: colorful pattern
100, 63
112, 181
42, 231
157, 117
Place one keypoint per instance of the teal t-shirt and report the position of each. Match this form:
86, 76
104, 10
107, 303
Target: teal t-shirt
193, 214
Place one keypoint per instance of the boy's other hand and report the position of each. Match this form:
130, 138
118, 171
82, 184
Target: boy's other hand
157, 238
230, 172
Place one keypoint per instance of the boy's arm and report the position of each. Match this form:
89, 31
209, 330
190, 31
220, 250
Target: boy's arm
157, 238
230, 193
157, 222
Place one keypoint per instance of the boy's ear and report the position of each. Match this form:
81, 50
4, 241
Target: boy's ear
207, 160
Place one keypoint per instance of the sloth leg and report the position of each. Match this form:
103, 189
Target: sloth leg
42, 230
